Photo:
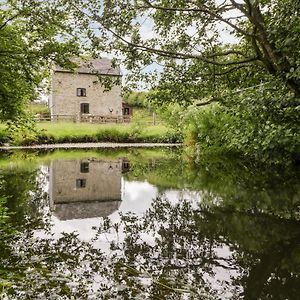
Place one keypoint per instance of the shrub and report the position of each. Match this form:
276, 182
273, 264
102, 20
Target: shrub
137, 99
112, 135
3, 137
259, 128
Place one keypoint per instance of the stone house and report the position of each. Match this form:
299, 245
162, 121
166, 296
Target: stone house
80, 96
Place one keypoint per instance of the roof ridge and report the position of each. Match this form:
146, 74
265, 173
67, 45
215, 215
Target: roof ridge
102, 66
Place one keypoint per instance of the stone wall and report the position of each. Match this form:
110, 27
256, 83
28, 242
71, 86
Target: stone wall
64, 99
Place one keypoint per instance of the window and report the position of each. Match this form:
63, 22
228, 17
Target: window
84, 108
81, 92
84, 167
80, 183
126, 111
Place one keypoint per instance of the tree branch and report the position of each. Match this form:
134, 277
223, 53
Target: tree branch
220, 99
168, 53
229, 70
204, 9
8, 20
225, 53
212, 100
179, 55
240, 7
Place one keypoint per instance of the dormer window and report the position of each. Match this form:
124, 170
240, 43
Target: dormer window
81, 92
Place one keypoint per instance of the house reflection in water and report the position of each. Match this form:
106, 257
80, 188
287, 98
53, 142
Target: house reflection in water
85, 188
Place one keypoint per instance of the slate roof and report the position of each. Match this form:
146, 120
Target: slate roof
101, 66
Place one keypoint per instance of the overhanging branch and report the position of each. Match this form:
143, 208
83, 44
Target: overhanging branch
204, 9
180, 55
168, 53
8, 20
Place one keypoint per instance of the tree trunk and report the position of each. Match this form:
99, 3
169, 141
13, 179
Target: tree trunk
273, 59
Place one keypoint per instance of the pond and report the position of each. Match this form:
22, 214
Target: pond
146, 224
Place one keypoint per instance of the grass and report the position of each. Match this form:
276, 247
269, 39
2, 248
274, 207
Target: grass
61, 129
140, 129
66, 132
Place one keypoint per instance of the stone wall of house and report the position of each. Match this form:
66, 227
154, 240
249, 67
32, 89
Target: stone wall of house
65, 101
85, 181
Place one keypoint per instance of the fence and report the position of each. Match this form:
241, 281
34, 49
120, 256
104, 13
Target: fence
83, 118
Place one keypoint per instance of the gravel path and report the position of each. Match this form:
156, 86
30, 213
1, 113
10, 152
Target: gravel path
91, 145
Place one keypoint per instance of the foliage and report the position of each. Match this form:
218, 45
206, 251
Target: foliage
253, 74
3, 137
185, 38
15, 88
23, 131
136, 124
257, 125
32, 37
136, 99
171, 114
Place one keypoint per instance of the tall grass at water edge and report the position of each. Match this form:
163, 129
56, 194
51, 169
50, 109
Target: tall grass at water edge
65, 132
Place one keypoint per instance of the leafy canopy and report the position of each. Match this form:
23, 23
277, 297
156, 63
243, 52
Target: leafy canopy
33, 35
187, 39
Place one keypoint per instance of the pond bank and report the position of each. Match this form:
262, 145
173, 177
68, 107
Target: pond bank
92, 146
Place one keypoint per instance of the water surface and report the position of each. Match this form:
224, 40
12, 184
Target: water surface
146, 224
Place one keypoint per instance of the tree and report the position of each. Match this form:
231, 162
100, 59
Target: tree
33, 35
266, 33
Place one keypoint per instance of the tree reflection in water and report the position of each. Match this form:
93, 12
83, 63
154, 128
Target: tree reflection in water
240, 240
210, 254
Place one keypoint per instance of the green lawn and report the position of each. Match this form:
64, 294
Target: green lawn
61, 129
67, 132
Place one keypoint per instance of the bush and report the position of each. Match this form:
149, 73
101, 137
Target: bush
173, 114
137, 99
3, 137
207, 130
112, 135
258, 127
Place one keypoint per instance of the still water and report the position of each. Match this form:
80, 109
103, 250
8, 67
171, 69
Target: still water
145, 224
